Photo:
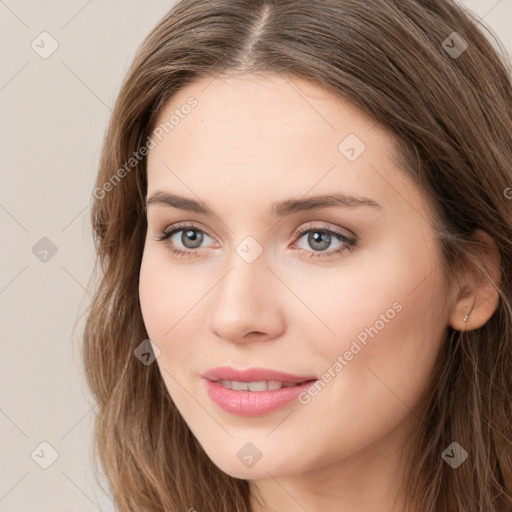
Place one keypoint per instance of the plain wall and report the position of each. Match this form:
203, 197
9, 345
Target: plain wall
54, 112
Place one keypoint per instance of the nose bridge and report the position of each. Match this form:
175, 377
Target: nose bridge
247, 263
244, 287
243, 301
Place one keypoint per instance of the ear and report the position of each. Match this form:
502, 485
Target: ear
478, 297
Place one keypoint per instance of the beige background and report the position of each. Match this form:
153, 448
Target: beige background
54, 112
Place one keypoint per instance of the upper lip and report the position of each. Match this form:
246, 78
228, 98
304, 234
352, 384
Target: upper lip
253, 375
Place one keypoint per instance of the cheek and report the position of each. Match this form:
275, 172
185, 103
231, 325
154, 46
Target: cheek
165, 291
161, 296
390, 328
151, 297
385, 319
167, 295
376, 367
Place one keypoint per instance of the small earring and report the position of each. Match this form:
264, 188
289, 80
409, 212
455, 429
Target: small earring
469, 313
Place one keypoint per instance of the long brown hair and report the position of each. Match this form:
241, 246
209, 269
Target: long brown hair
452, 116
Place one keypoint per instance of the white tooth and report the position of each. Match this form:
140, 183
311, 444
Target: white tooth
258, 386
274, 384
262, 385
239, 386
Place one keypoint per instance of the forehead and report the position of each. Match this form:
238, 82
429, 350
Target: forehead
271, 137
259, 110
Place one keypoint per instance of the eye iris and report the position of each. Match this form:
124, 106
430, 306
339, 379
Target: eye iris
319, 237
194, 235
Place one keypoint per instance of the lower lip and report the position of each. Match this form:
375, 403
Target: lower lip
253, 403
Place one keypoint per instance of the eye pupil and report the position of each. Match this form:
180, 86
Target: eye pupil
193, 234
319, 237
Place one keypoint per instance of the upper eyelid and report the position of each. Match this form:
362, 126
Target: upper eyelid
181, 226
337, 230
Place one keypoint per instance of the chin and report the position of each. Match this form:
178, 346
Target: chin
238, 465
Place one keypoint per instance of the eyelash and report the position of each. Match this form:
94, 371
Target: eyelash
350, 243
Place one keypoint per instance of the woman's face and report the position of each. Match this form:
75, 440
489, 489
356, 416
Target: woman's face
354, 301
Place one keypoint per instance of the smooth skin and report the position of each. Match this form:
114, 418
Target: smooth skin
252, 141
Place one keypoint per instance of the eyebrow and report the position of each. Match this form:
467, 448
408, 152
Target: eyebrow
277, 209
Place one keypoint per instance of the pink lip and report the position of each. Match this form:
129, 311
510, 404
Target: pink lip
249, 403
253, 375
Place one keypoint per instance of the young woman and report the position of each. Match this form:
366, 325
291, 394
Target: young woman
303, 219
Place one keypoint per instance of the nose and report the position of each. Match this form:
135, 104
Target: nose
245, 303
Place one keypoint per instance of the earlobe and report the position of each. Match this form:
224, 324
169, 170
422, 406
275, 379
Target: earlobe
480, 297
476, 309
